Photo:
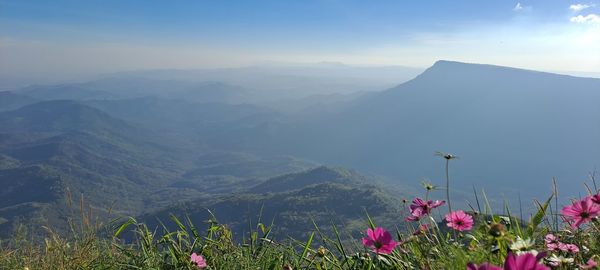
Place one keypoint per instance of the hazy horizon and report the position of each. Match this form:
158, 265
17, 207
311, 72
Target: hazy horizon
15, 82
68, 40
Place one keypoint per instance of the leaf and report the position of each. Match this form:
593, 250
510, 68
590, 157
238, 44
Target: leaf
538, 217
371, 223
306, 247
178, 222
339, 242
130, 221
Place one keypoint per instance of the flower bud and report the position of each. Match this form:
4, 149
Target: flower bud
496, 230
321, 252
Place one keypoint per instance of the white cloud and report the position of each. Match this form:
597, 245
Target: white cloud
518, 7
590, 18
521, 8
579, 7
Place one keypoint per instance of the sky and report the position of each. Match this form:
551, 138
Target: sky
69, 38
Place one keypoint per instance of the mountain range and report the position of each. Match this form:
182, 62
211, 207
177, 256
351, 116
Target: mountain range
149, 146
513, 129
56, 149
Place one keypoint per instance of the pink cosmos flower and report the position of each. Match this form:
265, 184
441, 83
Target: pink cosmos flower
550, 238
551, 242
425, 207
485, 266
581, 212
413, 217
591, 264
379, 240
420, 208
525, 261
459, 221
570, 248
596, 198
198, 260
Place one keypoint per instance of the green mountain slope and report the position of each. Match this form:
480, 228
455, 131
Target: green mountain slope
341, 200
50, 147
314, 176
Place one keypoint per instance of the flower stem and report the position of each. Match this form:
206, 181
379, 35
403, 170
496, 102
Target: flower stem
448, 186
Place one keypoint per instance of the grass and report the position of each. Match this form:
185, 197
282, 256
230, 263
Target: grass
129, 244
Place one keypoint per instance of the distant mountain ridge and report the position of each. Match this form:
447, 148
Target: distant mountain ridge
58, 115
507, 125
314, 176
11, 101
293, 80
128, 88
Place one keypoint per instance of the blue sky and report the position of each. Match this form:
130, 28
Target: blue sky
60, 36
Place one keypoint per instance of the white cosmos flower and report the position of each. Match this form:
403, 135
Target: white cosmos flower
557, 261
522, 244
533, 252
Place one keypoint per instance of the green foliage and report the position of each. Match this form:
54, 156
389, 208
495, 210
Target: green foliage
537, 218
165, 248
294, 229
293, 211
